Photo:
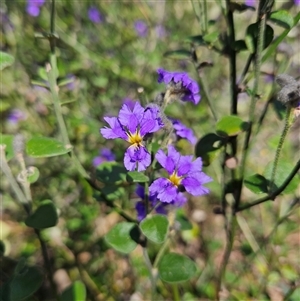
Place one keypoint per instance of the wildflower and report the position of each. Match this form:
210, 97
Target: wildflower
133, 126
15, 116
104, 155
94, 15
180, 84
297, 2
33, 7
141, 28
183, 174
140, 205
183, 132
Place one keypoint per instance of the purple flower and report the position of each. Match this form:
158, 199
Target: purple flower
180, 84
183, 173
94, 15
133, 126
141, 28
141, 206
33, 7
15, 116
183, 132
297, 2
105, 155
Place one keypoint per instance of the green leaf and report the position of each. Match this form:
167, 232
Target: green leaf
122, 237
75, 292
178, 54
111, 173
112, 192
198, 40
282, 18
257, 184
155, 228
252, 35
230, 126
278, 40
8, 141
33, 174
6, 60
136, 177
284, 168
208, 147
184, 222
39, 147
239, 45
45, 216
25, 282
176, 268
211, 37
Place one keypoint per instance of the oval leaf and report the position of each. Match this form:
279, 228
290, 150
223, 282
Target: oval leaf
8, 141
155, 228
257, 184
111, 173
121, 237
75, 292
45, 147
45, 216
230, 126
283, 170
25, 282
208, 147
136, 177
282, 18
176, 268
5, 60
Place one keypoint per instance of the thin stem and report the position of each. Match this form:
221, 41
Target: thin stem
176, 296
47, 263
149, 266
288, 123
273, 195
258, 57
12, 181
51, 72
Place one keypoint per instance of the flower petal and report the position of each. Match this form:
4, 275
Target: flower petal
194, 186
136, 155
164, 190
116, 130
184, 165
165, 161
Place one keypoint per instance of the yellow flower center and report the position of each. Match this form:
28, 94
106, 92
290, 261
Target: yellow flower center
135, 139
175, 179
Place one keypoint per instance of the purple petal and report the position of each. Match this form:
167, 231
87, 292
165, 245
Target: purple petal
137, 155
165, 161
141, 210
164, 190
128, 118
183, 132
184, 165
116, 130
33, 10
147, 126
194, 186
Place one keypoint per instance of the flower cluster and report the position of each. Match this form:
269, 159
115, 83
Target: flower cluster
33, 7
132, 126
180, 85
136, 124
183, 174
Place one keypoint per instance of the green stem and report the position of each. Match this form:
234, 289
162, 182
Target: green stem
258, 58
176, 296
12, 181
272, 196
288, 123
152, 278
47, 263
